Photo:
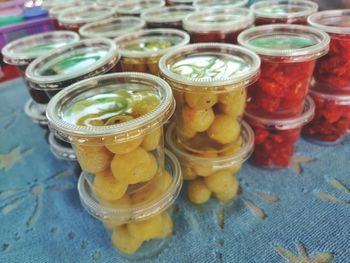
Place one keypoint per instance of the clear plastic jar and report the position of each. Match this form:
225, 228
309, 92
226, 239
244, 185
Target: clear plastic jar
209, 83
283, 11
112, 27
332, 116
136, 7
61, 149
288, 54
73, 18
64, 66
218, 24
275, 139
212, 173
140, 223
167, 17
115, 124
141, 51
333, 70
179, 2
212, 4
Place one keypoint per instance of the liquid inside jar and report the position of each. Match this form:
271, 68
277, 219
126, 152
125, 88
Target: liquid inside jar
152, 43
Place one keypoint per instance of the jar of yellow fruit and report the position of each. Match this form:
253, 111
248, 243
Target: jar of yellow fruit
209, 172
115, 124
140, 223
209, 83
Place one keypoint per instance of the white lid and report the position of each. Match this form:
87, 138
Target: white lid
331, 21
209, 4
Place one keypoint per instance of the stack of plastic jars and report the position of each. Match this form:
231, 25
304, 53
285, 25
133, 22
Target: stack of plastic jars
277, 106
331, 82
115, 123
136, 7
283, 11
209, 82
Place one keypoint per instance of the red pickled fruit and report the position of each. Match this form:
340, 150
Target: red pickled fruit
222, 37
296, 21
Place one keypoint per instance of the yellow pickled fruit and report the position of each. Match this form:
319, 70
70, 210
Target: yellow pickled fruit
134, 65
90, 120
148, 228
208, 153
165, 181
94, 161
167, 229
231, 97
188, 173
134, 167
235, 168
198, 192
151, 140
123, 202
179, 97
203, 169
224, 129
124, 241
201, 101
107, 187
233, 148
220, 181
88, 148
228, 195
145, 106
111, 224
197, 120
185, 131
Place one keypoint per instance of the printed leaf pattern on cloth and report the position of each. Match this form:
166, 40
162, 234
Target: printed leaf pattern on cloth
339, 186
297, 162
14, 156
257, 211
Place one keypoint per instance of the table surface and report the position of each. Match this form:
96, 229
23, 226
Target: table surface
296, 215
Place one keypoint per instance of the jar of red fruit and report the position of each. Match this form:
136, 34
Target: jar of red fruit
275, 138
210, 4
332, 116
333, 70
288, 54
283, 11
218, 24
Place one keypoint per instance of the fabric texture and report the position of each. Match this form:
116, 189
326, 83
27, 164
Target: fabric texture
294, 215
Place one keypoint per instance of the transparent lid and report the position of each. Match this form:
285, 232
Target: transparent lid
290, 42
210, 66
219, 19
151, 42
284, 123
338, 96
56, 10
51, 3
80, 59
210, 4
134, 212
113, 27
86, 14
109, 3
36, 112
24, 50
136, 7
331, 21
167, 14
180, 2
104, 97
284, 8
61, 151
220, 162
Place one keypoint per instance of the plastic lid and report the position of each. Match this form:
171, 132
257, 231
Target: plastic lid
136, 7
180, 2
9, 20
83, 15
219, 19
222, 161
284, 123
72, 62
51, 3
284, 8
167, 14
122, 132
113, 27
34, 12
209, 4
338, 96
59, 150
56, 10
331, 21
210, 66
24, 50
291, 42
135, 213
109, 3
36, 112
151, 42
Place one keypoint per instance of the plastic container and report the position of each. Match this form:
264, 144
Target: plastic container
332, 116
136, 7
212, 4
112, 28
141, 51
167, 17
218, 24
61, 149
211, 173
64, 66
34, 12
283, 11
333, 70
139, 227
209, 83
52, 3
288, 54
73, 18
36, 112
275, 139
179, 2
56, 10
115, 123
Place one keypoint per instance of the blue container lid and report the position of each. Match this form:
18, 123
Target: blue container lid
34, 13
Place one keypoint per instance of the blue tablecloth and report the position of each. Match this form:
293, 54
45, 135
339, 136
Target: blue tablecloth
297, 215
